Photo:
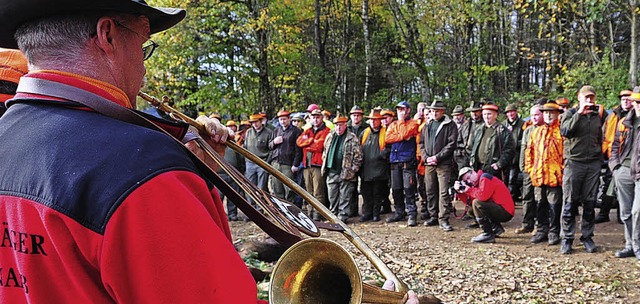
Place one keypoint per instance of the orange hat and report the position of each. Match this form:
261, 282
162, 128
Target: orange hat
326, 113
340, 119
254, 117
551, 106
13, 64
387, 112
245, 123
563, 101
490, 106
231, 123
283, 113
625, 93
375, 115
635, 96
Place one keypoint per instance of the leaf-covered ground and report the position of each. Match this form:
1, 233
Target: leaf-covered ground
449, 266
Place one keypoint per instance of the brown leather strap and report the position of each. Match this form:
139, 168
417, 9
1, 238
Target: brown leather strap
109, 108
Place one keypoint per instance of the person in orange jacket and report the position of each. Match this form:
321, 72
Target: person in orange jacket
543, 163
312, 142
401, 135
608, 134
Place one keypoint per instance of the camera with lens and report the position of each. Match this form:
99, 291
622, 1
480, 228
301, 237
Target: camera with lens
593, 107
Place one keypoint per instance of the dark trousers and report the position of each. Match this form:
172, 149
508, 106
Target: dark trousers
422, 196
489, 213
528, 202
579, 187
514, 183
373, 193
548, 209
232, 210
355, 199
403, 185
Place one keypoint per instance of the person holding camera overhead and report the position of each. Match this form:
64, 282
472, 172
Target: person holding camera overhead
581, 128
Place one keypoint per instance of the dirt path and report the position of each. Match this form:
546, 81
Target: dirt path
512, 270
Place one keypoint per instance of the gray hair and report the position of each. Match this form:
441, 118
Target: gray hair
58, 39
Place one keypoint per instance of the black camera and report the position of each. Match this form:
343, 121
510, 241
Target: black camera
593, 107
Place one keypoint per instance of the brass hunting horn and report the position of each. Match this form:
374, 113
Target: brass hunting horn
309, 263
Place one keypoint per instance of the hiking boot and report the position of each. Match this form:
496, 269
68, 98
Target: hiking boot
431, 222
554, 239
365, 218
524, 230
602, 217
565, 248
589, 245
625, 253
395, 218
539, 237
411, 222
233, 218
484, 238
375, 218
472, 225
498, 229
446, 226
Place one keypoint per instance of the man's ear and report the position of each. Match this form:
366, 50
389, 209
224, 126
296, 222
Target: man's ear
105, 30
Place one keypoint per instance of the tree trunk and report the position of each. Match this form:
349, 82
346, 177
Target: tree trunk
367, 48
633, 53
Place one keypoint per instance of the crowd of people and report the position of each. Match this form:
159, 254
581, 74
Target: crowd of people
561, 158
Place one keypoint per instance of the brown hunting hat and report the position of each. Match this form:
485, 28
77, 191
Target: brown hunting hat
283, 113
587, 90
14, 13
551, 106
437, 105
340, 119
457, 110
510, 107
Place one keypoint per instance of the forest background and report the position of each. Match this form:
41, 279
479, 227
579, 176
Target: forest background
236, 57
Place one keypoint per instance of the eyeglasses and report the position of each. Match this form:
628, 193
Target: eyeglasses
147, 48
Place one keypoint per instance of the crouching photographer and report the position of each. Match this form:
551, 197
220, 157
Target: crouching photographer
492, 202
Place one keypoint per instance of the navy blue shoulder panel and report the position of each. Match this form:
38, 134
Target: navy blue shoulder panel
487, 175
80, 163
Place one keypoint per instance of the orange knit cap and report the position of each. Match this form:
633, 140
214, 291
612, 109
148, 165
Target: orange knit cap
13, 64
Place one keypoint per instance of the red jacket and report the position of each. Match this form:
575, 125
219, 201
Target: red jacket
107, 211
491, 188
312, 141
